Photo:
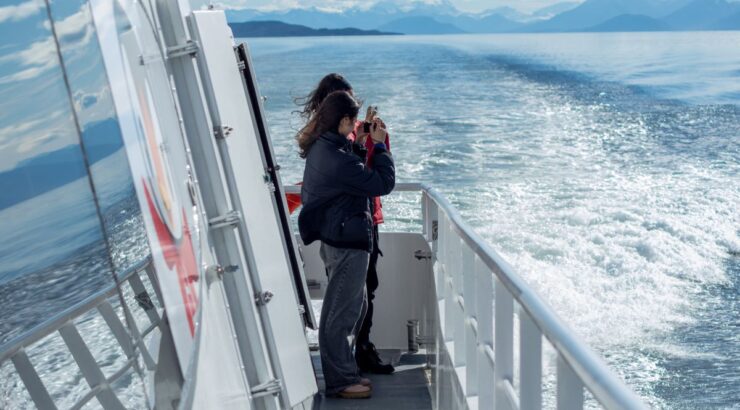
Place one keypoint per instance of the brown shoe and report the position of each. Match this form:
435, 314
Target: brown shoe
355, 391
366, 382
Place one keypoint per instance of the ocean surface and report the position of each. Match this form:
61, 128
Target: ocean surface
604, 167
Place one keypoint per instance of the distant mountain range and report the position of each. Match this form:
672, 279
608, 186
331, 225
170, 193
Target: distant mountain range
280, 29
444, 18
44, 172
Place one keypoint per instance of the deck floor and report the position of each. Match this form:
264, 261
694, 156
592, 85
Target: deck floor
405, 389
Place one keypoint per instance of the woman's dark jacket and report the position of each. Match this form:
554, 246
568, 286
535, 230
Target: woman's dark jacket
336, 192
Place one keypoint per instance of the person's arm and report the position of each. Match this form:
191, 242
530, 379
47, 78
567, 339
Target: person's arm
358, 179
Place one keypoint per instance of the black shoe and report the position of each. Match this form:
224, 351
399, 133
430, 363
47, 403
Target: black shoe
369, 361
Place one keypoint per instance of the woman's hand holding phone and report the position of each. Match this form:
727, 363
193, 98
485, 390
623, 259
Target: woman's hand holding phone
361, 133
378, 131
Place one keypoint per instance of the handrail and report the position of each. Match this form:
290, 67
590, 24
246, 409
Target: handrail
43, 329
607, 388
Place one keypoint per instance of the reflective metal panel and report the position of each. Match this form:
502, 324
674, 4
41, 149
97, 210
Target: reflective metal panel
101, 133
52, 253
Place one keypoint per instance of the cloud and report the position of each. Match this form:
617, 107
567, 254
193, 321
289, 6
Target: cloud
20, 11
33, 61
46, 131
76, 27
75, 32
26, 136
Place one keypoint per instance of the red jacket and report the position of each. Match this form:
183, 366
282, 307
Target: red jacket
294, 200
370, 145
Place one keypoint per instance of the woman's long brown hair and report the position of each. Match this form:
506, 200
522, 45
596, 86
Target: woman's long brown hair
330, 83
337, 105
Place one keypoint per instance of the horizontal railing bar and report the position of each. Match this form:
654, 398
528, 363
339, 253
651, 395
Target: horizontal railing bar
42, 330
590, 368
510, 394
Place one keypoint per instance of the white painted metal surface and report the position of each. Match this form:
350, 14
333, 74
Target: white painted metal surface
260, 232
210, 353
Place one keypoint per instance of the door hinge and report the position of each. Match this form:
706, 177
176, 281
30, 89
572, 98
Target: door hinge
222, 131
190, 48
231, 218
216, 272
266, 388
263, 298
419, 254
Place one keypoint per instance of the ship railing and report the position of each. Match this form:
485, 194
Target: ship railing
479, 296
126, 334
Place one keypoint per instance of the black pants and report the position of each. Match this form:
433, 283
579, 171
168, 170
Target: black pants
371, 282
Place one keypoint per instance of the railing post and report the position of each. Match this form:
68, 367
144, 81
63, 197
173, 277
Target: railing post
144, 298
447, 283
570, 387
117, 328
530, 356
32, 381
484, 312
471, 317
458, 300
503, 347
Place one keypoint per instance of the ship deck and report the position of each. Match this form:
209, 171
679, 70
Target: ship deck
407, 388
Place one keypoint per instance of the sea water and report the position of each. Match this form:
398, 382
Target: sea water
604, 167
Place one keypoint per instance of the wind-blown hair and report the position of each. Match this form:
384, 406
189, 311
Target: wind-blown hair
337, 105
330, 83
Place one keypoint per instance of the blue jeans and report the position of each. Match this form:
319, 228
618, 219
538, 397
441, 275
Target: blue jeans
341, 314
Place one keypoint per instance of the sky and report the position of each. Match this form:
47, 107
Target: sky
463, 5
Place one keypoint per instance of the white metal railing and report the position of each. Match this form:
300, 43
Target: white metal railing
471, 278
485, 344
128, 336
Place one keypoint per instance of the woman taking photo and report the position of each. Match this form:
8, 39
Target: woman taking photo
366, 355
336, 194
